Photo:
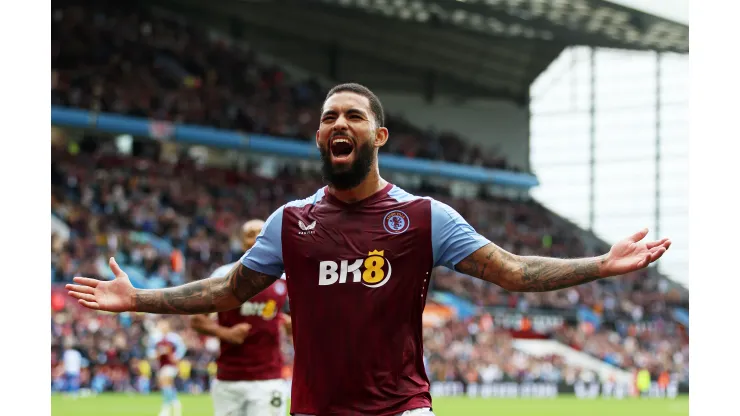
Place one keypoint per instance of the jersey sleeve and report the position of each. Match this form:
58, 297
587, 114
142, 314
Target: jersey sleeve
266, 256
151, 347
453, 238
180, 348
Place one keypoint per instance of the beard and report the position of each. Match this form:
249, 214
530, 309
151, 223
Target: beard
348, 177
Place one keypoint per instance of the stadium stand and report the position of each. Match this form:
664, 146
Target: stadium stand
137, 210
169, 70
171, 222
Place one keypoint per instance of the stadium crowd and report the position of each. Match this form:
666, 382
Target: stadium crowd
114, 350
479, 350
170, 223
128, 60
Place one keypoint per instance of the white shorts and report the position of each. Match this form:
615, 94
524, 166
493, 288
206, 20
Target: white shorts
249, 398
422, 411
168, 371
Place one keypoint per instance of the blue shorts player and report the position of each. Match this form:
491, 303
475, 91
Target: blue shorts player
72, 362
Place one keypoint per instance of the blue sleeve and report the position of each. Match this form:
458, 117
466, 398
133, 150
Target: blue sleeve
180, 348
266, 256
453, 238
151, 348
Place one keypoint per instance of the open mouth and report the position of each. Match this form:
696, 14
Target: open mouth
341, 148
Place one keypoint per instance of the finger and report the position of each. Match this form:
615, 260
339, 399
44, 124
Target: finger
83, 296
655, 255
656, 243
656, 249
644, 261
91, 305
86, 281
667, 244
639, 235
80, 289
114, 267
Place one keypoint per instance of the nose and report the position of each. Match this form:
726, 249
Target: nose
340, 124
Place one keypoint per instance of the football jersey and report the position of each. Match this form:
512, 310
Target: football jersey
357, 277
166, 349
259, 357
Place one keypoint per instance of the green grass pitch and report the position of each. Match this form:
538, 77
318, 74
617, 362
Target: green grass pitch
200, 405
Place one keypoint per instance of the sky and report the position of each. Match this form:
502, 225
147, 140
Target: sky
626, 123
677, 10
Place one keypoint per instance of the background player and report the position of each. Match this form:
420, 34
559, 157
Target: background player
358, 255
167, 348
248, 380
72, 368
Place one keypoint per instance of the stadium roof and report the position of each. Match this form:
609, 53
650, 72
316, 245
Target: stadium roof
457, 48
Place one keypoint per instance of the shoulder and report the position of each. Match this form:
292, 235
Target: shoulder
401, 195
296, 208
441, 209
438, 209
301, 203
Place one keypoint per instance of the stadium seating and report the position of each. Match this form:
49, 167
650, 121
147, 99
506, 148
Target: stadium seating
168, 224
133, 62
138, 211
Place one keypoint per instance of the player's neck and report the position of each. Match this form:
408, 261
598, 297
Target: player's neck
369, 186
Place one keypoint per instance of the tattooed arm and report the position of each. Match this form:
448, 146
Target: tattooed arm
214, 294
530, 273
456, 245
255, 271
543, 274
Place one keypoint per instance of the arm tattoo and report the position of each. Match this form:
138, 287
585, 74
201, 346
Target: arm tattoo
205, 296
529, 273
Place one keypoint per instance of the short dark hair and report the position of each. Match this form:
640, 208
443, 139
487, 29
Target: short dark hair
375, 106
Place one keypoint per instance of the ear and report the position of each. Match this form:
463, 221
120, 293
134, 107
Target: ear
317, 140
381, 137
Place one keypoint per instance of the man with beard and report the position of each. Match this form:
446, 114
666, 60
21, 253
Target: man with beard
358, 255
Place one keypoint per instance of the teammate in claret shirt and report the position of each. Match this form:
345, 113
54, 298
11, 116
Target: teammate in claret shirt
167, 348
358, 255
249, 366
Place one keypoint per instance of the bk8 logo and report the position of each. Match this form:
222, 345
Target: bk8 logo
265, 310
376, 270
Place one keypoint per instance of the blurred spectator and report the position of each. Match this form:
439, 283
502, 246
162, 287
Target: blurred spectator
131, 61
170, 223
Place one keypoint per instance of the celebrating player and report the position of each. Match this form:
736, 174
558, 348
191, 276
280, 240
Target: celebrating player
167, 348
248, 380
358, 255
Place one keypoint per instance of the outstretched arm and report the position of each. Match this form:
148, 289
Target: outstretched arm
542, 274
529, 273
215, 294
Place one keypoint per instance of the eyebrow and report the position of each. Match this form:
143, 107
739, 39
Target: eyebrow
349, 111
